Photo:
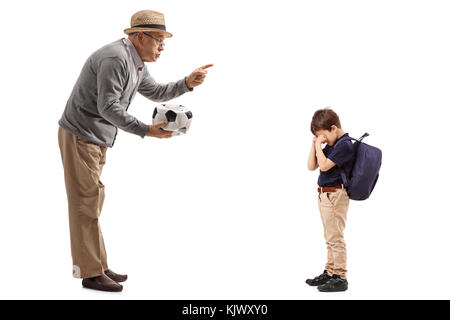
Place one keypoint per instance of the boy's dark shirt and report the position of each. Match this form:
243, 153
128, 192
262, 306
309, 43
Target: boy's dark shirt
342, 153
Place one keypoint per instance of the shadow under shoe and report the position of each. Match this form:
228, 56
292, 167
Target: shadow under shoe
319, 280
102, 283
115, 276
335, 284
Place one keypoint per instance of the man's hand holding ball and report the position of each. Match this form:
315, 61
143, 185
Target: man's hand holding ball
156, 131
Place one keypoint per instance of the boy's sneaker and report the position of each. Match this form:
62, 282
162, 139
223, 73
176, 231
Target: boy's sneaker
335, 284
319, 280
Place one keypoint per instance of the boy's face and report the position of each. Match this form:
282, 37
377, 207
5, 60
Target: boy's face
330, 135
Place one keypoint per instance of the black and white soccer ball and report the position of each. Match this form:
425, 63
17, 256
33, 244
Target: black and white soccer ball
179, 117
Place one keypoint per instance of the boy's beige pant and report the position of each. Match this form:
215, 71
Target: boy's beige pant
83, 162
333, 208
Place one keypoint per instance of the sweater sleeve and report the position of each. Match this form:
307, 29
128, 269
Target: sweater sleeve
111, 80
158, 92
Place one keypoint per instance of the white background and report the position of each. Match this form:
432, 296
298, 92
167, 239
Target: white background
229, 211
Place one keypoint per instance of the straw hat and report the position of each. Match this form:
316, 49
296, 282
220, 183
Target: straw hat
148, 20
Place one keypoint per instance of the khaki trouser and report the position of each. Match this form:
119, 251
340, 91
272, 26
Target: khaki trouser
83, 162
333, 208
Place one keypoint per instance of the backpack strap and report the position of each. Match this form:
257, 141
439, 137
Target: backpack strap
343, 175
363, 136
360, 139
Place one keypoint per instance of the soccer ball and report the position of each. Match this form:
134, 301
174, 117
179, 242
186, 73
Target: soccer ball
179, 117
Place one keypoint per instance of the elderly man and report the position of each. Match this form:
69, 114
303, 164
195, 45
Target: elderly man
95, 110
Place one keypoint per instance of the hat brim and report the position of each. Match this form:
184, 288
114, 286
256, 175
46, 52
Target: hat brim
131, 30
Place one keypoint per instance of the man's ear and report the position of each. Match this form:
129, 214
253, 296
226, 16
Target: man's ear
333, 128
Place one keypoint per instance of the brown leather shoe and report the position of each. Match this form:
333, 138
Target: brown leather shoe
103, 283
116, 277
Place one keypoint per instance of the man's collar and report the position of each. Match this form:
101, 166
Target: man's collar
139, 64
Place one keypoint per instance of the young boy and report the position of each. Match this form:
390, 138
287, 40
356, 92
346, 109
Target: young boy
333, 199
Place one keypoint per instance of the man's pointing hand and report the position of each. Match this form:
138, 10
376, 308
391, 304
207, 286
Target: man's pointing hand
197, 76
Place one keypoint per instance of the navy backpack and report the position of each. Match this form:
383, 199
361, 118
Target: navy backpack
364, 174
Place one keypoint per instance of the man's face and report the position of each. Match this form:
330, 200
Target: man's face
150, 45
330, 135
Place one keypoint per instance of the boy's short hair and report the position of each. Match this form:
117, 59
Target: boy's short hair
323, 119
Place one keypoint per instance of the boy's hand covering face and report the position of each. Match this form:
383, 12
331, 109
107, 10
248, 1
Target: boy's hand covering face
321, 139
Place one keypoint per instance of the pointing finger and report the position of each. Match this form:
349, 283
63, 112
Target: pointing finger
206, 66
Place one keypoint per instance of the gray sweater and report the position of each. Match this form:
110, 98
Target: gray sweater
104, 90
